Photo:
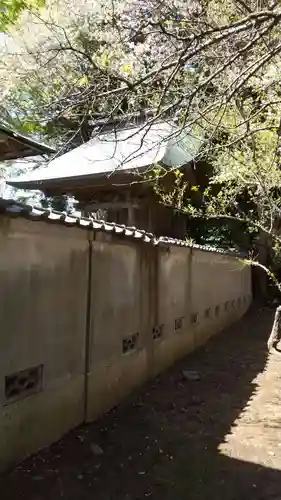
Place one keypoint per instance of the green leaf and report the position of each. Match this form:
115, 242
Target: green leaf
83, 80
127, 68
178, 173
104, 59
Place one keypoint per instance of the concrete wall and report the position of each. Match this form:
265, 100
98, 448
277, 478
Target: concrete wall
181, 296
43, 278
94, 316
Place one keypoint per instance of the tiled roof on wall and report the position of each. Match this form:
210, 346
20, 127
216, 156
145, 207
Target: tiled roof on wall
14, 208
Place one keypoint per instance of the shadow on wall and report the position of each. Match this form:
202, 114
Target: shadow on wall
169, 441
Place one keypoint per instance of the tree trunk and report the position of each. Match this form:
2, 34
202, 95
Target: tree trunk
275, 335
260, 278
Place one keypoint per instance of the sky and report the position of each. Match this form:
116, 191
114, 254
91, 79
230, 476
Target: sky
13, 169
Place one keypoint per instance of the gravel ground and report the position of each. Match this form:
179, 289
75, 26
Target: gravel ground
213, 435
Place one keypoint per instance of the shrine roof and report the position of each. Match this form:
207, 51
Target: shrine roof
14, 145
127, 151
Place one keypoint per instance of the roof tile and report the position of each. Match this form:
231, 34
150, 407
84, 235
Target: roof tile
13, 208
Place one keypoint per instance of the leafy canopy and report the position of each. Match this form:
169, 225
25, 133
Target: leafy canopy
77, 61
10, 10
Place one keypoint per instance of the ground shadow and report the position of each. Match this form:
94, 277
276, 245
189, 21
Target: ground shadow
164, 442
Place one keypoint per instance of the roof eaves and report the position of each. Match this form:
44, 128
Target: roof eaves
37, 146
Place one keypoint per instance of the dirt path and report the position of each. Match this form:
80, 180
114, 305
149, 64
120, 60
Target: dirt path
215, 438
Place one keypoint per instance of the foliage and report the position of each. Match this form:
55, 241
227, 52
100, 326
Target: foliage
75, 62
245, 189
10, 11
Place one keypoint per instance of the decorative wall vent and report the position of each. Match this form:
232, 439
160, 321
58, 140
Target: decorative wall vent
194, 318
157, 332
130, 343
178, 323
207, 313
24, 383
